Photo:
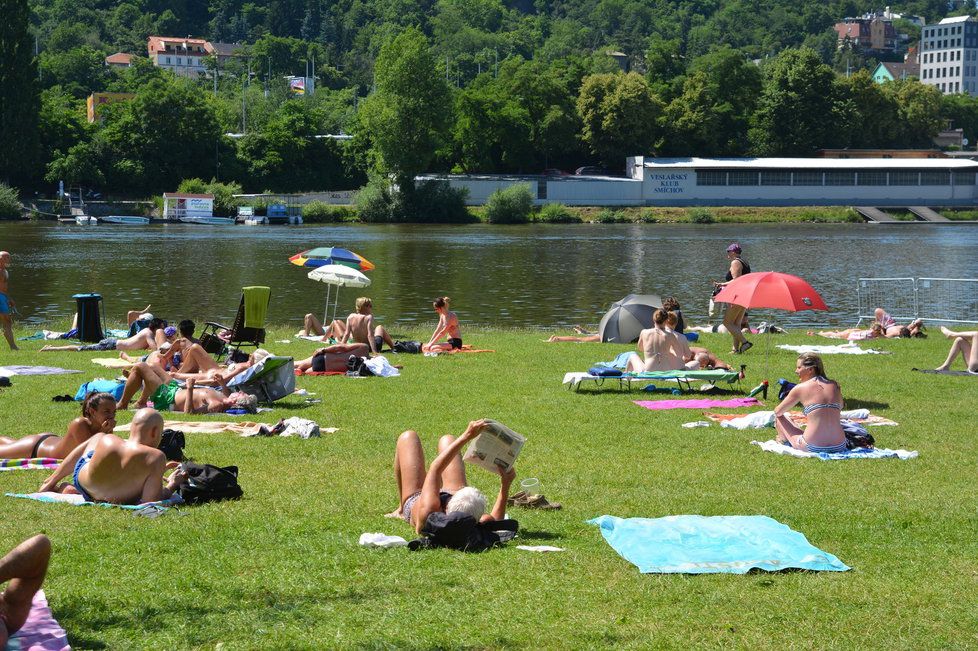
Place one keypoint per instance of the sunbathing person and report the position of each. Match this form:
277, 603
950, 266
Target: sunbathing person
892, 330
149, 338
854, 334
331, 358
166, 393
583, 336
964, 344
443, 487
109, 469
311, 326
707, 360
821, 400
361, 329
661, 348
98, 415
23, 570
210, 372
447, 327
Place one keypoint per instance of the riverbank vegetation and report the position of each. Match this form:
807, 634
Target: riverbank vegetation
455, 87
282, 568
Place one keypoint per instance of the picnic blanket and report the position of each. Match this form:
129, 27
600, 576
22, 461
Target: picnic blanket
9, 371
78, 500
696, 404
466, 348
842, 349
760, 419
40, 632
936, 372
112, 362
857, 453
696, 544
36, 463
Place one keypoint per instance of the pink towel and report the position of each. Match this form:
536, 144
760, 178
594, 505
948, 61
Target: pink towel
696, 404
40, 632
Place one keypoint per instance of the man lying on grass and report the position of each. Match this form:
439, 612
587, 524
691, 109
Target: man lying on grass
149, 338
159, 387
443, 488
23, 570
108, 469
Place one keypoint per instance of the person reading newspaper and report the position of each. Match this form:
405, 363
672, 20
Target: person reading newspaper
443, 487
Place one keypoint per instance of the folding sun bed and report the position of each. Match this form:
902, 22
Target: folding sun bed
683, 378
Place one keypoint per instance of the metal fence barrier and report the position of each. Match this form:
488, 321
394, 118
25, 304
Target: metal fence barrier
898, 296
952, 300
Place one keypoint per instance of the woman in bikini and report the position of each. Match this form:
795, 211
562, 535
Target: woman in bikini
98, 415
447, 327
821, 400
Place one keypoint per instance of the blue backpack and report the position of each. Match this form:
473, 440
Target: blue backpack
108, 386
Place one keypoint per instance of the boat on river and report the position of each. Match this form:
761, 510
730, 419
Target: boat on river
208, 220
125, 220
86, 220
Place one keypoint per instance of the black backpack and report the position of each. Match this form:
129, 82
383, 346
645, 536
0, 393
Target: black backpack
358, 366
412, 347
207, 483
460, 531
172, 444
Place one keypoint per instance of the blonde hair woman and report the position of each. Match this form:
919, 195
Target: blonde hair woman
821, 400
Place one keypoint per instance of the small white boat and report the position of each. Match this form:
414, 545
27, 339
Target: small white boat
209, 221
127, 220
86, 220
255, 221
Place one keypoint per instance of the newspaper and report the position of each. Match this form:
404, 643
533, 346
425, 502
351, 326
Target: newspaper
496, 447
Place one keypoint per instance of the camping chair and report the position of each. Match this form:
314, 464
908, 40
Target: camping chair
272, 379
248, 328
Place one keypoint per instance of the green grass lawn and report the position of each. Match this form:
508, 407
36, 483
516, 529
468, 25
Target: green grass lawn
281, 569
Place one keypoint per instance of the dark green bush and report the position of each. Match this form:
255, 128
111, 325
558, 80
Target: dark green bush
556, 213
648, 217
609, 216
430, 202
700, 216
320, 212
511, 205
9, 203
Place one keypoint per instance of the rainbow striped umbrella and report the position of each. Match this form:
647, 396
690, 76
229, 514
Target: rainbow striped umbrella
324, 255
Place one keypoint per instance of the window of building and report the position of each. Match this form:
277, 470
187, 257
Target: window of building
904, 178
167, 60
776, 178
179, 61
806, 177
711, 177
840, 178
742, 177
957, 87
964, 178
541, 189
941, 177
871, 178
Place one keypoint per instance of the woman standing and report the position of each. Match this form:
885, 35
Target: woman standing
733, 317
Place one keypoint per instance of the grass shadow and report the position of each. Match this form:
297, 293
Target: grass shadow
856, 403
533, 534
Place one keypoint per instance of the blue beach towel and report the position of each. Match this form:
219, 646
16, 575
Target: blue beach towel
619, 362
696, 544
78, 500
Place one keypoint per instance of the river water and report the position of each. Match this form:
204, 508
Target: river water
528, 276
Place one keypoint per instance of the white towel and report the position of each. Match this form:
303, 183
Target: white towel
381, 540
539, 548
380, 367
859, 453
842, 349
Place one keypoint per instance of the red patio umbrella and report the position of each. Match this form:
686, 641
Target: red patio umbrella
771, 289
774, 290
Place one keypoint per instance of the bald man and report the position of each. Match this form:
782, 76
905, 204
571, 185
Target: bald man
23, 570
6, 303
108, 469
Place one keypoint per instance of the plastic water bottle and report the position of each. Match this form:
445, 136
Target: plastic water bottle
760, 388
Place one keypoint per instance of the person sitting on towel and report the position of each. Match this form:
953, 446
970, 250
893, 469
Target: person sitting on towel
23, 570
98, 415
443, 487
109, 469
360, 327
165, 393
145, 339
661, 348
331, 359
447, 327
311, 326
964, 344
821, 400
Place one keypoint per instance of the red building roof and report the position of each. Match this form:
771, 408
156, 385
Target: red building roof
119, 59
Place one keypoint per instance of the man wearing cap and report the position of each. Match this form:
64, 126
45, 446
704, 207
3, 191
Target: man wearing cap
733, 317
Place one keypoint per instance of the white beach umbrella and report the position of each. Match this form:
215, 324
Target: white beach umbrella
339, 276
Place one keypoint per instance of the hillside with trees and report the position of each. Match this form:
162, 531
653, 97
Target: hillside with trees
442, 85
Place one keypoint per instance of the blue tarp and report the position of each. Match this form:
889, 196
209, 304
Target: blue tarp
696, 544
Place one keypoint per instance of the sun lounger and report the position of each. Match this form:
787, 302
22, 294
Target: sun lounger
683, 378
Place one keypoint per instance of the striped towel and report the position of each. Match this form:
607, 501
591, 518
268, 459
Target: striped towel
39, 463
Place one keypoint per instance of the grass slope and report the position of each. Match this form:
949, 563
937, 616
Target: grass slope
281, 569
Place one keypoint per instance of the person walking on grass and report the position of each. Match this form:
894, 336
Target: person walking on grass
733, 317
6, 303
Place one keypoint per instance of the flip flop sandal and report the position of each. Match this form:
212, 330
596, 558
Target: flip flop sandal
538, 502
745, 347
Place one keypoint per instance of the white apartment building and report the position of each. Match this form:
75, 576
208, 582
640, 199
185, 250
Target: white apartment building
949, 55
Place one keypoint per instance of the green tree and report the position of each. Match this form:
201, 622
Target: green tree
19, 98
62, 122
918, 112
407, 119
80, 70
620, 115
794, 112
961, 111
865, 115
